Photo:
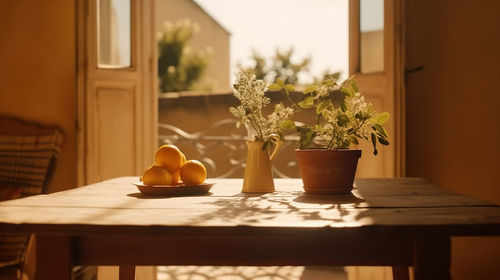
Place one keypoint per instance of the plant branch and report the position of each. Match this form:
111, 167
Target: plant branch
330, 143
258, 129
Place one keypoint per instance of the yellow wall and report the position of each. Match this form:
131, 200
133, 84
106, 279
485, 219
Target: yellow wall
453, 106
37, 73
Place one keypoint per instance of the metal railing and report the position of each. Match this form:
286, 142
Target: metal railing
222, 148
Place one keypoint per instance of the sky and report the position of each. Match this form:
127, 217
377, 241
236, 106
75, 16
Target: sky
371, 15
122, 9
315, 28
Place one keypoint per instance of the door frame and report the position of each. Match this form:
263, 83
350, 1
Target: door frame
143, 32
390, 82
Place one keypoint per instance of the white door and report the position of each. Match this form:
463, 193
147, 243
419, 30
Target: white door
376, 50
117, 88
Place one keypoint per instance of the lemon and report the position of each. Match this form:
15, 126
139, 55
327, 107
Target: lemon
183, 158
156, 175
169, 157
193, 172
176, 176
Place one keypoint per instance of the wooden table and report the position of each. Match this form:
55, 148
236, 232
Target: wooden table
395, 222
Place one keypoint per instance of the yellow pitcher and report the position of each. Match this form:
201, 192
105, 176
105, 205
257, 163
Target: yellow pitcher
258, 176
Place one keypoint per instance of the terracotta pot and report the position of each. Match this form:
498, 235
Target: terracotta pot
327, 171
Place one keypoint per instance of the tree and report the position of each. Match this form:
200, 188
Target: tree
178, 66
281, 66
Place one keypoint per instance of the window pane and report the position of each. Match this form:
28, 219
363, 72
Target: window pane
113, 29
371, 35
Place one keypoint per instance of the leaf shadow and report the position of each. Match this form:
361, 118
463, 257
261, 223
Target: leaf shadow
251, 208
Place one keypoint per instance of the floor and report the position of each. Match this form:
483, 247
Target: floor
237, 273
272, 273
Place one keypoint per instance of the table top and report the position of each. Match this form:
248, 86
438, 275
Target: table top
116, 205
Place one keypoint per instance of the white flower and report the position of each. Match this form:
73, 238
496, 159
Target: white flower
276, 118
250, 91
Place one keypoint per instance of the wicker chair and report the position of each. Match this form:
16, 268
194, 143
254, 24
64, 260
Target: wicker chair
28, 155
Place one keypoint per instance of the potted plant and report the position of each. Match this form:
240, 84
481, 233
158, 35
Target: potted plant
263, 131
340, 117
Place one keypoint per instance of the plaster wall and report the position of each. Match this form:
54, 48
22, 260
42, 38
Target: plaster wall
453, 128
37, 73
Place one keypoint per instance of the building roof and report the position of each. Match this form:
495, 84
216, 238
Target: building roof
211, 17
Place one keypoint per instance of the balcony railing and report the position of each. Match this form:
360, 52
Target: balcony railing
222, 148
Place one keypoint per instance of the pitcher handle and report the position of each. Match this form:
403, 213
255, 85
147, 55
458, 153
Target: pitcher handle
278, 143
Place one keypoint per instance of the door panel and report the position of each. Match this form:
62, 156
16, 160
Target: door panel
116, 115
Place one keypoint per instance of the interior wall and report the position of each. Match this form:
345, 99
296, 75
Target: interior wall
453, 128
37, 73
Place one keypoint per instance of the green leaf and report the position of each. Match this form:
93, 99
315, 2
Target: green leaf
280, 82
354, 85
322, 106
382, 118
302, 129
374, 143
377, 127
327, 114
274, 87
268, 144
306, 138
308, 102
328, 82
290, 87
354, 140
343, 107
383, 141
287, 124
310, 89
342, 120
379, 135
282, 137
347, 91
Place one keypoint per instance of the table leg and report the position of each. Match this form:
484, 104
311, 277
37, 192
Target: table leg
127, 272
53, 257
432, 257
400, 273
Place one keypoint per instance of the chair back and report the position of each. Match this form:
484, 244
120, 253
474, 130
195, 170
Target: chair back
28, 155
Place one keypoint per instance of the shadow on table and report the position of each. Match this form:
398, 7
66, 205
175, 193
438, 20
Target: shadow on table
339, 199
298, 206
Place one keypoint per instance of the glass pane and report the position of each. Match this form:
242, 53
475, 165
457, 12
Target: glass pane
371, 21
113, 29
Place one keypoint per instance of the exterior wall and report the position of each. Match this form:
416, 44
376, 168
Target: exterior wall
453, 128
37, 77
211, 34
198, 113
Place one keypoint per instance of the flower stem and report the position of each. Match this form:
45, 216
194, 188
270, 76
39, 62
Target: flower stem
330, 143
257, 127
